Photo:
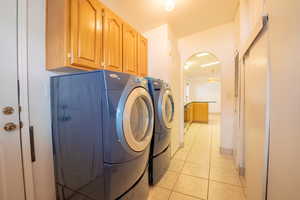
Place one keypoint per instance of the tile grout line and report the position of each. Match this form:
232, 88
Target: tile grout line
210, 158
210, 139
190, 149
212, 130
180, 173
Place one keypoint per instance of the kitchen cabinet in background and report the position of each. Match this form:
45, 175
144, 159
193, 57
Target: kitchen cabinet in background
196, 112
200, 112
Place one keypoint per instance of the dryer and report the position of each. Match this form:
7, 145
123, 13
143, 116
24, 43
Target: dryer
102, 126
160, 155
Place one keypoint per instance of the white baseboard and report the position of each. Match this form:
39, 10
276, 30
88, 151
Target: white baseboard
226, 151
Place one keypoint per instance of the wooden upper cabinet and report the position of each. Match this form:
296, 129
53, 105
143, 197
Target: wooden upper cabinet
86, 33
74, 34
113, 44
142, 56
130, 53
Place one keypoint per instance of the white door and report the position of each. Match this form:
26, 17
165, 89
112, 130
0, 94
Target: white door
11, 172
257, 119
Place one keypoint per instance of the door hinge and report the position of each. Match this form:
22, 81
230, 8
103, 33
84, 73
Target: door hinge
20, 109
32, 145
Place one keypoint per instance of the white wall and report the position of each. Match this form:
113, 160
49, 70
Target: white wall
164, 63
187, 90
39, 101
219, 41
202, 90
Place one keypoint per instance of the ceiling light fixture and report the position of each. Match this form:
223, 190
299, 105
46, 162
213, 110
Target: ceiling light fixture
210, 64
213, 80
169, 5
186, 67
202, 54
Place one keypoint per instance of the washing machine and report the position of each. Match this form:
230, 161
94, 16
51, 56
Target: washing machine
160, 155
102, 126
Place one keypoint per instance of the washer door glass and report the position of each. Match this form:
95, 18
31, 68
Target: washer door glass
138, 118
167, 108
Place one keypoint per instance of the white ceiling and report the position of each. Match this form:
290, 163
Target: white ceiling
188, 17
196, 71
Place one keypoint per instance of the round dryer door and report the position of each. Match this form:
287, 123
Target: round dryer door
166, 108
138, 119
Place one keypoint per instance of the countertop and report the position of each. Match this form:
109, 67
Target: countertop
199, 102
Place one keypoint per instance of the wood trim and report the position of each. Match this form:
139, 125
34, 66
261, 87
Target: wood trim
24, 115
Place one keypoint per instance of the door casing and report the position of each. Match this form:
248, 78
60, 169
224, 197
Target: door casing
23, 92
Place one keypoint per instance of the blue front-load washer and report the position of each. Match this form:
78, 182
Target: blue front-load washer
102, 124
160, 154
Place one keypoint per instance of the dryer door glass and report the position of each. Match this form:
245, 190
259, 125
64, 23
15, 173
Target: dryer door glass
138, 119
167, 108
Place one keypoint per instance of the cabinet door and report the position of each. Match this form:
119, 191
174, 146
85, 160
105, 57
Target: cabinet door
113, 45
86, 33
191, 115
142, 56
200, 112
130, 59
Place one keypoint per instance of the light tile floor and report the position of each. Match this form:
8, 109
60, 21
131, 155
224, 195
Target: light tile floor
199, 171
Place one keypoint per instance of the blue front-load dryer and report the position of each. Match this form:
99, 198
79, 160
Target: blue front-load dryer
160, 154
102, 125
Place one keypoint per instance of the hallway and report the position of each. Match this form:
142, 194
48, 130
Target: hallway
199, 171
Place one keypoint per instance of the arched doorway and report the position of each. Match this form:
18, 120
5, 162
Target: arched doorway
202, 74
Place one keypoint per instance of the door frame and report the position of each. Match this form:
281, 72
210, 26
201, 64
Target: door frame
24, 98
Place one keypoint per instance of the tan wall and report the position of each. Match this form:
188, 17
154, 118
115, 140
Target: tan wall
284, 31
249, 14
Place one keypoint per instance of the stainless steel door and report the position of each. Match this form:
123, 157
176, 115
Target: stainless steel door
166, 108
137, 120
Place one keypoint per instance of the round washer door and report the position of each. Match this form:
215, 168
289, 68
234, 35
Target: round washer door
138, 120
166, 108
